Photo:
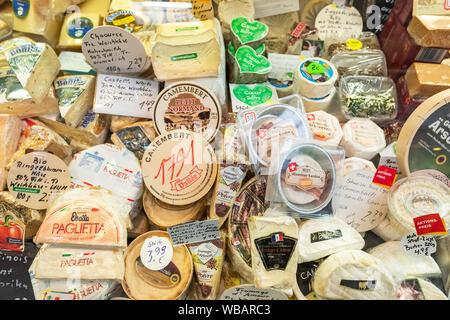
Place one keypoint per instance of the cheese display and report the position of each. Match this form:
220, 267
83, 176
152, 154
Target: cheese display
224, 150
353, 274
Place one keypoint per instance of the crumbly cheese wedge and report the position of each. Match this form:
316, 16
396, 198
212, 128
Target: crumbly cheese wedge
402, 265
274, 252
353, 275
75, 97
36, 65
195, 56
60, 262
10, 132
319, 238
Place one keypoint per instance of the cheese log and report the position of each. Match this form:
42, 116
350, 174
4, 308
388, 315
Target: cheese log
58, 262
353, 275
430, 31
274, 252
36, 65
402, 265
427, 79
10, 132
319, 238
31, 218
75, 97
177, 57
42, 139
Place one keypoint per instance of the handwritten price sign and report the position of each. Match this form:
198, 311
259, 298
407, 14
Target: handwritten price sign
156, 253
415, 245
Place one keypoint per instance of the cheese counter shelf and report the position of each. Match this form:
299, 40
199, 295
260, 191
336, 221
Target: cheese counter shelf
224, 150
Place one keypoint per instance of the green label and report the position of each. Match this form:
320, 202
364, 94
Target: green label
253, 97
249, 61
186, 29
247, 31
260, 50
27, 190
315, 68
231, 49
184, 57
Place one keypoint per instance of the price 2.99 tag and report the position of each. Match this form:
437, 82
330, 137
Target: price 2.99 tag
156, 253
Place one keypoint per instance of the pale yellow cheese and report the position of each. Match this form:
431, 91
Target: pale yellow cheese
10, 131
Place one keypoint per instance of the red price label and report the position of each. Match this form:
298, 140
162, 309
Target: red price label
385, 177
430, 224
447, 5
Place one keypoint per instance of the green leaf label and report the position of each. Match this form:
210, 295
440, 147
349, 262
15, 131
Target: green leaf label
253, 97
250, 62
247, 31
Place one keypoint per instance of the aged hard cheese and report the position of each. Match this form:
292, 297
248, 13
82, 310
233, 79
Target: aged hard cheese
353, 275
75, 97
36, 65
427, 79
319, 238
274, 252
10, 132
401, 264
430, 31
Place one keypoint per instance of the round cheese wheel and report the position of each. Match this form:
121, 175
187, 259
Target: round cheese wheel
141, 283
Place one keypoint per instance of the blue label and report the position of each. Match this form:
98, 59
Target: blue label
21, 8
78, 27
319, 77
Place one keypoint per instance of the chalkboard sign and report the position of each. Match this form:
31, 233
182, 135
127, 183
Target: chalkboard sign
15, 283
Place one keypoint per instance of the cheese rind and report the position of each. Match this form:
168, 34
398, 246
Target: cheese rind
10, 132
430, 31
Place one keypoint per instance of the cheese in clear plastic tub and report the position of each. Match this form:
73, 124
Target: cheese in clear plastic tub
303, 178
369, 97
264, 129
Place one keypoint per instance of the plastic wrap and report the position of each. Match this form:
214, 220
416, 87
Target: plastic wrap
366, 40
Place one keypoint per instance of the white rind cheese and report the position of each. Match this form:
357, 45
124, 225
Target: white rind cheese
319, 238
402, 265
353, 275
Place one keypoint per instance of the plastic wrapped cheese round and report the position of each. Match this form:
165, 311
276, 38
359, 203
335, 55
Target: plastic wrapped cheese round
353, 275
306, 178
417, 196
168, 283
325, 128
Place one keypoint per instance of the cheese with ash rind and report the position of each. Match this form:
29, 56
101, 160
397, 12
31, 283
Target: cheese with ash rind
319, 238
55, 262
353, 275
274, 252
401, 264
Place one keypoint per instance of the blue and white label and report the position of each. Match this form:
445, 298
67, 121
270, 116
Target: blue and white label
78, 27
21, 8
324, 76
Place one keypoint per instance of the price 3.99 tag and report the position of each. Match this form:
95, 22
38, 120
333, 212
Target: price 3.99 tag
156, 253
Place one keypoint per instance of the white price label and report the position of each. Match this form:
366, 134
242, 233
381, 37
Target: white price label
113, 50
156, 253
414, 245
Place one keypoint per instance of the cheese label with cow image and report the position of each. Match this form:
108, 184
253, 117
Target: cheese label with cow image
188, 106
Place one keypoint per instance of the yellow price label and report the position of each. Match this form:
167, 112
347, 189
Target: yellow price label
354, 44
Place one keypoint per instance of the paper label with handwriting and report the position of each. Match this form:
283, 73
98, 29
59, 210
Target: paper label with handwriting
113, 50
193, 232
156, 253
249, 292
339, 23
264, 8
125, 96
414, 245
359, 202
179, 167
35, 176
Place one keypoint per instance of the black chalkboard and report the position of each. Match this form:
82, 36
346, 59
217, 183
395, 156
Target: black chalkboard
15, 283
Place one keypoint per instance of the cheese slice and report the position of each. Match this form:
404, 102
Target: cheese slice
402, 265
10, 132
75, 97
319, 238
61, 262
40, 138
427, 79
430, 31
274, 252
353, 275
36, 65
192, 56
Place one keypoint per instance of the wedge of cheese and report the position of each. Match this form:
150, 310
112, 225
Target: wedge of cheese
319, 238
192, 55
10, 132
36, 65
430, 31
58, 262
75, 97
402, 265
274, 252
353, 275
